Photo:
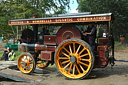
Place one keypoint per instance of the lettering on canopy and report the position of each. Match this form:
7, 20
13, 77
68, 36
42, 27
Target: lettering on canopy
61, 20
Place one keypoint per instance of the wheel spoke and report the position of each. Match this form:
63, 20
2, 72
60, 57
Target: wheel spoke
65, 61
63, 58
78, 49
24, 67
66, 50
82, 50
74, 48
27, 57
73, 69
83, 64
31, 65
65, 54
81, 68
70, 68
30, 61
86, 60
22, 60
70, 49
67, 65
22, 64
77, 69
84, 55
42, 63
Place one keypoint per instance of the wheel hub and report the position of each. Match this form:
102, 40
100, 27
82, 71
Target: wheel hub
25, 64
73, 59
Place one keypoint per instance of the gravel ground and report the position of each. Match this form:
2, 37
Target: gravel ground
117, 75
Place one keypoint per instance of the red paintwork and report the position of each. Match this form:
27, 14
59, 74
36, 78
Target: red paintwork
122, 38
103, 40
102, 61
61, 20
46, 55
51, 48
69, 32
45, 48
40, 48
50, 39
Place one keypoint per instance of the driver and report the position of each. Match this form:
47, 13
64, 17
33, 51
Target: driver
91, 36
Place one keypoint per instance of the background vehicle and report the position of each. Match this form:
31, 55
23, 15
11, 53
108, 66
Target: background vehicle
60, 40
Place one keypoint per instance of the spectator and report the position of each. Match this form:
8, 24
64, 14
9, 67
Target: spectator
5, 54
12, 55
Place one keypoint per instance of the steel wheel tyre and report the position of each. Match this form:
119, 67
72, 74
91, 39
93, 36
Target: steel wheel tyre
74, 59
42, 64
26, 63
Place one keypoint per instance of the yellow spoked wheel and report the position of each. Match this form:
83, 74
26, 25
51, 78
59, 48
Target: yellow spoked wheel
42, 64
74, 58
26, 63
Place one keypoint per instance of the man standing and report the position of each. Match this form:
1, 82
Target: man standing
5, 54
91, 35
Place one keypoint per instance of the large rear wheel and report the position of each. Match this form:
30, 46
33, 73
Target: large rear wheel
26, 63
74, 58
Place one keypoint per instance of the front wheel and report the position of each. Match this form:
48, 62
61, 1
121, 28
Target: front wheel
26, 63
74, 58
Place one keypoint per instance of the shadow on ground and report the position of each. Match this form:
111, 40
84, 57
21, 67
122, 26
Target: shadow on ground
118, 69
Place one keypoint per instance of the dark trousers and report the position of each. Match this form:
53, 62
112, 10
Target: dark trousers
91, 42
6, 57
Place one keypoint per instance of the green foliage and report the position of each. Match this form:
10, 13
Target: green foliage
1, 53
21, 9
118, 7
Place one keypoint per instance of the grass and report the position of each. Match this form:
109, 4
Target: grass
116, 43
17, 55
1, 53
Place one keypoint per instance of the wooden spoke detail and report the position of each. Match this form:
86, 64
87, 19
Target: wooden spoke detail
67, 65
65, 54
81, 68
70, 68
77, 69
31, 61
61, 58
83, 64
84, 55
82, 50
78, 49
74, 69
88, 60
65, 61
70, 49
66, 50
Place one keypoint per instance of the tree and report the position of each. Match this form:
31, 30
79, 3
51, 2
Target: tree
20, 9
118, 7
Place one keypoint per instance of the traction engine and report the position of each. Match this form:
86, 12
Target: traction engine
68, 48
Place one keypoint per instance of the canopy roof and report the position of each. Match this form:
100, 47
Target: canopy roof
65, 19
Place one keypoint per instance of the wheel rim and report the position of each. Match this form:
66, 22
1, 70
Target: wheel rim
25, 63
73, 59
42, 64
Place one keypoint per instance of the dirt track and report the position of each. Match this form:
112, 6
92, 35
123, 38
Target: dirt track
118, 75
